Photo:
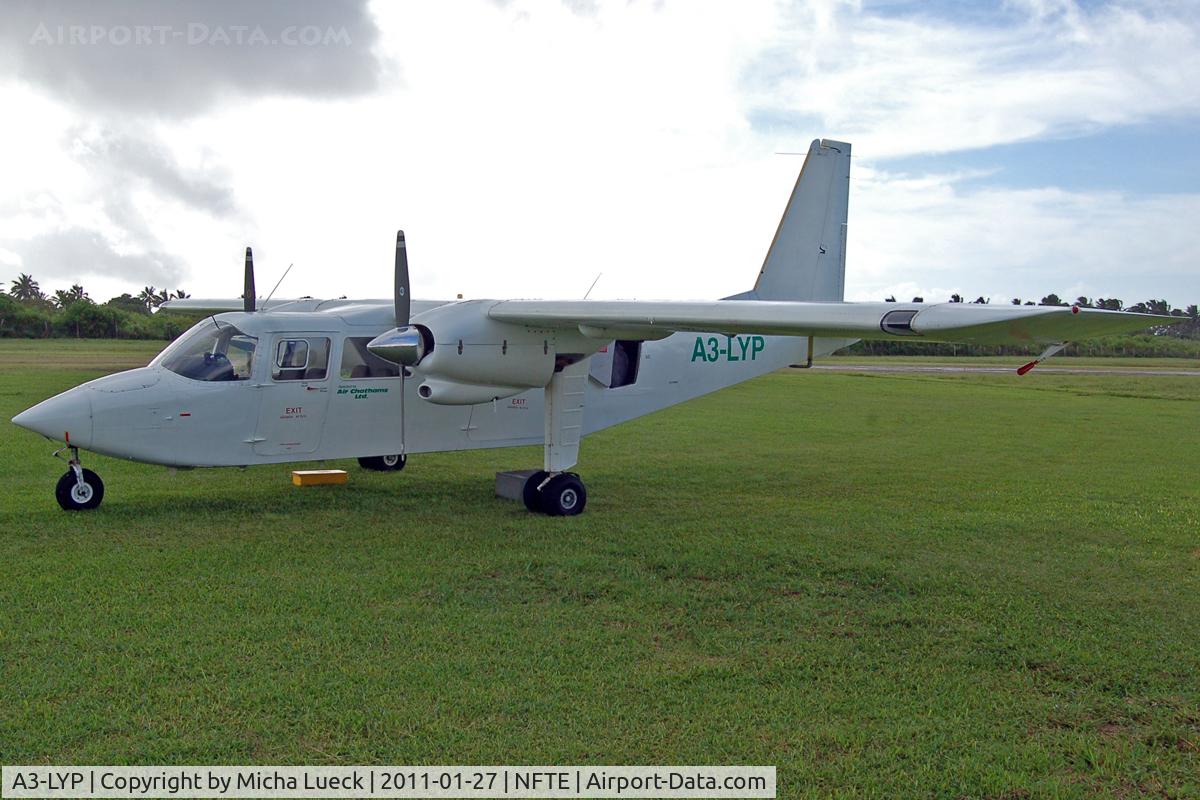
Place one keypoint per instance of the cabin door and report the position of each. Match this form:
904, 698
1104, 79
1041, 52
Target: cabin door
296, 395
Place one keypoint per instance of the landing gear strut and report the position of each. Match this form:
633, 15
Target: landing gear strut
78, 489
393, 463
561, 495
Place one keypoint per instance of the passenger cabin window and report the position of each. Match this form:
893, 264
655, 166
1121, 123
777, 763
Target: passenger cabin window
301, 359
211, 351
359, 362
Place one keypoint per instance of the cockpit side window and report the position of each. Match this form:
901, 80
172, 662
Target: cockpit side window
301, 359
211, 351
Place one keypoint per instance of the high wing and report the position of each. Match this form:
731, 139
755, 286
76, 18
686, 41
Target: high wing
936, 322
191, 305
217, 305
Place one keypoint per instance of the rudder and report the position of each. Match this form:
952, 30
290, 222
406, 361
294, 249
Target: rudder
807, 257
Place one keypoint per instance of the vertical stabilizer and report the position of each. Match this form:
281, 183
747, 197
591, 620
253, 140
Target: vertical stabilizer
807, 259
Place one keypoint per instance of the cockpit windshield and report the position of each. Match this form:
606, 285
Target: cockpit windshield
211, 351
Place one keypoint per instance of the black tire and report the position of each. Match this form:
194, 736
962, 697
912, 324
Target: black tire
393, 463
72, 497
531, 495
564, 496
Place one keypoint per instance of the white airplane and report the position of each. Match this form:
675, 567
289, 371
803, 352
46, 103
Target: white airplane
309, 379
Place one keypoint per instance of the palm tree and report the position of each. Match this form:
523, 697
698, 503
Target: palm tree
65, 297
956, 298
149, 297
1159, 307
179, 294
26, 289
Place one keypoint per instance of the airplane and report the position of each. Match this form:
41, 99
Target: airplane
380, 380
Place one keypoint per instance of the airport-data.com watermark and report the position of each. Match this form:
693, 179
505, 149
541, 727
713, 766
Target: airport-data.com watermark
193, 33
388, 782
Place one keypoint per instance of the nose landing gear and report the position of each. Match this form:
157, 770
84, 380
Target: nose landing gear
78, 489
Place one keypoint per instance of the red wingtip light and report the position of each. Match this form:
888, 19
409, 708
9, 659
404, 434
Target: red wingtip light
67, 437
1074, 309
1026, 368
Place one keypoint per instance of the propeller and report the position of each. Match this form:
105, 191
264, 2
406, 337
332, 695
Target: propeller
248, 295
403, 297
405, 344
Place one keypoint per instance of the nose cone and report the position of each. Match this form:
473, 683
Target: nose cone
66, 415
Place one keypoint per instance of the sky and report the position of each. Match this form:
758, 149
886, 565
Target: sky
528, 146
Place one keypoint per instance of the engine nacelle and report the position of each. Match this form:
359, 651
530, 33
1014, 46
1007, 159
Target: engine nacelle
475, 359
451, 393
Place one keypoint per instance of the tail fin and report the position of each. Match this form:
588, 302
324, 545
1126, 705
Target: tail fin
807, 259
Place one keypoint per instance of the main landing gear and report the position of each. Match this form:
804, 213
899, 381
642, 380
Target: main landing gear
393, 463
79, 489
561, 495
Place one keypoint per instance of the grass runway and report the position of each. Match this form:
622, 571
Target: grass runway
906, 584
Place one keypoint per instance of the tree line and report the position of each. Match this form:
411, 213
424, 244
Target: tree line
28, 312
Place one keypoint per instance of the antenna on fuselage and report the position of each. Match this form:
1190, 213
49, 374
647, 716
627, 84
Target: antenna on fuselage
248, 295
281, 277
593, 286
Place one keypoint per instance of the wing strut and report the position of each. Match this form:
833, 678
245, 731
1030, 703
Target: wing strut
564, 416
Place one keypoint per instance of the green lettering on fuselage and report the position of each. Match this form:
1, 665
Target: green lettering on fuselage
735, 348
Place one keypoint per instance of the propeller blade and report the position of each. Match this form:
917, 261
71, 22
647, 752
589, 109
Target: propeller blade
403, 297
248, 295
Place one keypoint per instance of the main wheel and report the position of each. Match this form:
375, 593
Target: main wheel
530, 494
392, 463
75, 497
564, 496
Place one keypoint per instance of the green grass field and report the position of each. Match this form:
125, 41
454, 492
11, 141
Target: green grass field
886, 585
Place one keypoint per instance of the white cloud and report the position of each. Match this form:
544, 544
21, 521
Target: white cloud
961, 237
897, 86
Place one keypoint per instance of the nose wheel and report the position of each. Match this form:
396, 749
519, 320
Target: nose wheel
78, 489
